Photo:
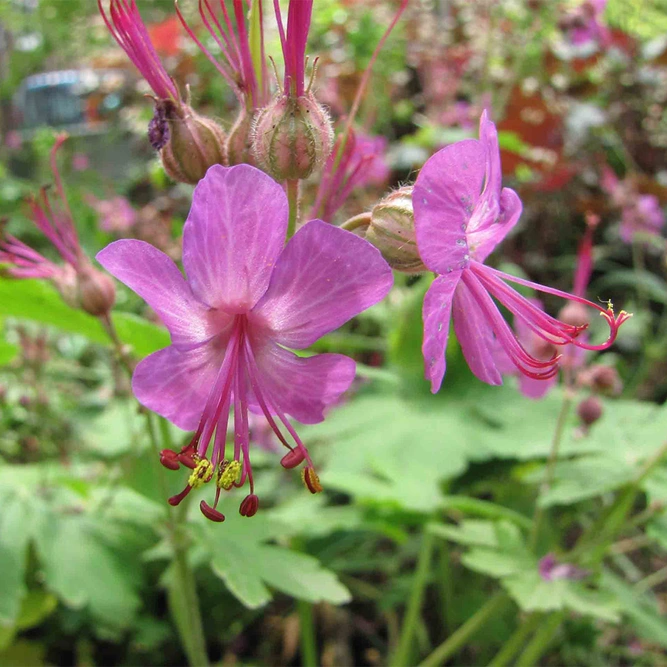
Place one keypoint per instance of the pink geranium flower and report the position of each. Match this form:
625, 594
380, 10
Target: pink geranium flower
462, 213
245, 300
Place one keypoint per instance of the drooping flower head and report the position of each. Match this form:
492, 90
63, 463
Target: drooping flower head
244, 301
125, 24
361, 162
77, 281
462, 213
188, 142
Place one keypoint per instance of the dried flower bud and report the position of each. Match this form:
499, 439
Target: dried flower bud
239, 141
590, 410
192, 144
291, 137
392, 231
97, 293
601, 379
575, 314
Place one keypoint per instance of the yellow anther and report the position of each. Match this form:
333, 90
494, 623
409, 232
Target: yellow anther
201, 474
311, 480
228, 474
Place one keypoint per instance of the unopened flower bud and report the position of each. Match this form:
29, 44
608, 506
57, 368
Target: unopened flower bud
190, 143
66, 282
590, 410
292, 137
97, 293
239, 141
392, 231
601, 379
575, 314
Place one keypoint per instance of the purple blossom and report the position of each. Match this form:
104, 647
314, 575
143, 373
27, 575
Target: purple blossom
586, 25
550, 569
127, 28
462, 213
244, 301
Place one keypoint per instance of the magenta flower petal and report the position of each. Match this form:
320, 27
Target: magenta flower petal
324, 276
444, 198
483, 241
233, 236
436, 312
314, 382
475, 336
157, 280
176, 384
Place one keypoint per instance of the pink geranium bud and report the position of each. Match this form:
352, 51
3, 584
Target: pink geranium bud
590, 410
575, 314
97, 293
292, 137
392, 231
239, 140
194, 143
601, 379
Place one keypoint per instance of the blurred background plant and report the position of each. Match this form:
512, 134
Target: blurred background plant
478, 526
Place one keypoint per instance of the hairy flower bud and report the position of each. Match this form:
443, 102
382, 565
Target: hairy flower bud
590, 410
291, 137
239, 141
392, 231
190, 143
97, 293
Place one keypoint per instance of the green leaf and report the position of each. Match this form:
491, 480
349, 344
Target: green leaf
471, 532
15, 530
83, 572
115, 431
250, 567
38, 301
36, 606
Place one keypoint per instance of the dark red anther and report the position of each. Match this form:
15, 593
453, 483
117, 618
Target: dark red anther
293, 458
249, 506
187, 457
210, 512
175, 500
169, 459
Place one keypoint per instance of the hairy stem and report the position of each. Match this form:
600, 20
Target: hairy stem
307, 634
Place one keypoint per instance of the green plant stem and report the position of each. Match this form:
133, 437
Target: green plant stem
455, 641
293, 201
307, 634
446, 586
652, 580
403, 652
511, 647
194, 642
540, 641
361, 220
550, 470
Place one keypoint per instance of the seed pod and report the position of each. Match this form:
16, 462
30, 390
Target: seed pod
590, 410
292, 137
239, 141
193, 142
97, 293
